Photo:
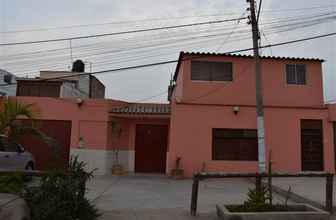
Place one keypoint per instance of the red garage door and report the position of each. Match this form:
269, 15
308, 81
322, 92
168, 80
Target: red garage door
44, 155
151, 148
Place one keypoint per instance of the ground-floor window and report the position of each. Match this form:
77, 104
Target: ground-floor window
234, 144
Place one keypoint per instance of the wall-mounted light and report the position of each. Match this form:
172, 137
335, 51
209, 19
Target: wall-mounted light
79, 102
236, 110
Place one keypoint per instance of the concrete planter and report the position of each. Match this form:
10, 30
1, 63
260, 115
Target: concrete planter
309, 213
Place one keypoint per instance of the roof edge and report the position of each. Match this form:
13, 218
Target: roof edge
202, 54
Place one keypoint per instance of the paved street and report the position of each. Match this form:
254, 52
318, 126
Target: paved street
158, 197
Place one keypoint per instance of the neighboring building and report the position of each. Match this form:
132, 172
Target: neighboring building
63, 84
85, 129
213, 114
8, 83
86, 86
210, 123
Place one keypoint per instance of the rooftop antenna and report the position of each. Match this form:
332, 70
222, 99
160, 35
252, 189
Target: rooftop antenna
71, 58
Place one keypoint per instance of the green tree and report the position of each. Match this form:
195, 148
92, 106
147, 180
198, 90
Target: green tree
11, 111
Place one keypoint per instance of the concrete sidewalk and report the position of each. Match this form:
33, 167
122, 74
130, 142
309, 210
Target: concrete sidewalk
159, 192
313, 189
159, 214
158, 197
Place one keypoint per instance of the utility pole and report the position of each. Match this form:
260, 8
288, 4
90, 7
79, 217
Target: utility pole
259, 93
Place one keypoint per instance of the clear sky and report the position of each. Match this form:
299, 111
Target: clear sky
45, 19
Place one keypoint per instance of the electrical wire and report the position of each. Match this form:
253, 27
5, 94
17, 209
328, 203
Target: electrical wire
62, 64
145, 56
223, 13
174, 61
230, 34
151, 97
122, 32
126, 60
103, 45
166, 43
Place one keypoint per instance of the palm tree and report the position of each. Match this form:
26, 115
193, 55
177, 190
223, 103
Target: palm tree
11, 111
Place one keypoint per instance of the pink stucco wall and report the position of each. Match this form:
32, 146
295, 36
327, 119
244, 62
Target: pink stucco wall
332, 112
241, 91
92, 121
198, 107
191, 136
128, 125
89, 121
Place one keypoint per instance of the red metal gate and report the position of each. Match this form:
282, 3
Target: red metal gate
45, 157
151, 148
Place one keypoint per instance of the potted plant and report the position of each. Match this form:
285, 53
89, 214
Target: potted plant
117, 168
259, 205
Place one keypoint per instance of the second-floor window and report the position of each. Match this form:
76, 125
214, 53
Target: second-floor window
211, 71
296, 74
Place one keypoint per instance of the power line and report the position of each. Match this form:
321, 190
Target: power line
122, 32
313, 22
299, 9
151, 97
223, 13
144, 56
139, 57
174, 61
263, 33
109, 23
165, 43
230, 34
104, 44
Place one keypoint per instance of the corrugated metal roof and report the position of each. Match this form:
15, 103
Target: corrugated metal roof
144, 109
201, 54
250, 56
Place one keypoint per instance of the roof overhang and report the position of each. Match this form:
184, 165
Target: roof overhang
195, 55
142, 110
138, 116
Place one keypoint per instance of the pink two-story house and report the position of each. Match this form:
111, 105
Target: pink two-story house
213, 114
210, 123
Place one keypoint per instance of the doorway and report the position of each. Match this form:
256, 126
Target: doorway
151, 148
312, 145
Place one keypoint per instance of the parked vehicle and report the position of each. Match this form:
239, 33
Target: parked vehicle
13, 156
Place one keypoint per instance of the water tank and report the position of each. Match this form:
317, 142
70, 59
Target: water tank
78, 66
8, 78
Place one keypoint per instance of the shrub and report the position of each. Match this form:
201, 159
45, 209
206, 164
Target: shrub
12, 183
257, 199
60, 195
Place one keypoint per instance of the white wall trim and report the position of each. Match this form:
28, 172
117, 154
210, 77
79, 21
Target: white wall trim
102, 160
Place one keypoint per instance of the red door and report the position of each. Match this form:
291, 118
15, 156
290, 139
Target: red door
151, 148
